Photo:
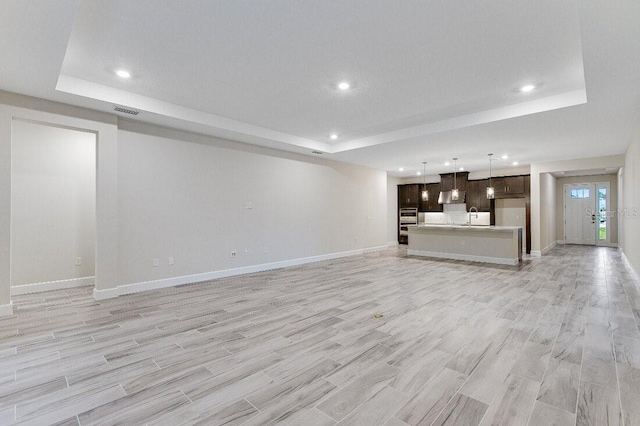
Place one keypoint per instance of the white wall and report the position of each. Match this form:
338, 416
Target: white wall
630, 204
613, 199
185, 196
5, 214
392, 208
52, 203
548, 212
104, 126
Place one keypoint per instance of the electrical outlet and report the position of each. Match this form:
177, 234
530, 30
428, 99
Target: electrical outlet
265, 250
171, 260
248, 205
247, 252
234, 253
155, 262
356, 239
78, 261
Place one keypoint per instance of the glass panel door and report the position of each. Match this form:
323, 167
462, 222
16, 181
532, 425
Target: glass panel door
602, 214
603, 231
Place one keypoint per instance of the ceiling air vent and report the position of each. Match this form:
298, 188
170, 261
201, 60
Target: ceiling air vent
317, 152
126, 110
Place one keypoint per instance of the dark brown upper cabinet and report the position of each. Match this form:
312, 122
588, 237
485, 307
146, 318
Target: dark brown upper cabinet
447, 181
477, 195
509, 187
408, 196
431, 205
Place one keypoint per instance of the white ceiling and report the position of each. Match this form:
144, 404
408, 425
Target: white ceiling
430, 79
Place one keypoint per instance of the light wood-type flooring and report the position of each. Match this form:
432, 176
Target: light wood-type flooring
554, 341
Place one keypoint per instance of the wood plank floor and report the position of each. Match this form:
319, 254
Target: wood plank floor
552, 341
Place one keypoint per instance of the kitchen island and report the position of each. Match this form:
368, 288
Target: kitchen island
492, 244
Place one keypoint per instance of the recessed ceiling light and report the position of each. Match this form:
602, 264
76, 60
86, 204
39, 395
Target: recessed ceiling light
401, 169
505, 157
447, 163
527, 88
344, 85
418, 173
123, 73
515, 163
462, 169
333, 136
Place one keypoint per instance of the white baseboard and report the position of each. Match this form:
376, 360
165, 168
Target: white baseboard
456, 256
549, 247
561, 242
109, 293
6, 310
207, 276
392, 244
607, 245
629, 264
52, 285
536, 253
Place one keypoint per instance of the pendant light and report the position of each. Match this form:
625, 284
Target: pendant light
490, 189
454, 192
425, 193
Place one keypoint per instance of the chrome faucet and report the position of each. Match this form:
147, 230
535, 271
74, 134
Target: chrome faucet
473, 208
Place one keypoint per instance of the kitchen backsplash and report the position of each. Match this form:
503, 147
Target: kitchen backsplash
454, 214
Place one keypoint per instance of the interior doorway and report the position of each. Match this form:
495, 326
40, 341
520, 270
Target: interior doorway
580, 214
53, 207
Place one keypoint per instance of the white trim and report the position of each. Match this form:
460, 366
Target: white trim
457, 256
109, 293
561, 242
52, 285
207, 276
547, 248
607, 245
536, 253
6, 310
629, 264
392, 244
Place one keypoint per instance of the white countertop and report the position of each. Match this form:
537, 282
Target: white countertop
463, 227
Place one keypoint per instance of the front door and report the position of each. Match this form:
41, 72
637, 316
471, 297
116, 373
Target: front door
580, 213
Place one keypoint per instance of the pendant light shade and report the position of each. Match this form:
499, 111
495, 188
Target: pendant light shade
491, 193
425, 193
455, 194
